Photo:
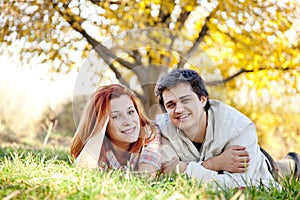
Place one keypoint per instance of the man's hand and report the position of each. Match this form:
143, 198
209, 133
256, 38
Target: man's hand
235, 159
174, 165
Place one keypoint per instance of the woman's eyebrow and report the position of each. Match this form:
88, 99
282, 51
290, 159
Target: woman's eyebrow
117, 111
130, 107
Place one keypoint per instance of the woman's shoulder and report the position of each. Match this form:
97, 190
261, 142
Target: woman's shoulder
152, 128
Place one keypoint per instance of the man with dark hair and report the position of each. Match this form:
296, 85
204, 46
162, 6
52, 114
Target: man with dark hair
210, 140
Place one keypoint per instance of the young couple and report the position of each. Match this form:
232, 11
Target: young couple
205, 139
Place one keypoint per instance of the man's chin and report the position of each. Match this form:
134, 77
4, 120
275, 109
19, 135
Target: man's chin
183, 126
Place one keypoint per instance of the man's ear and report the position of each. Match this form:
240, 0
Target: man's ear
161, 105
203, 100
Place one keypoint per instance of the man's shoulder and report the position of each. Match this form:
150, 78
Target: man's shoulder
228, 111
162, 118
228, 117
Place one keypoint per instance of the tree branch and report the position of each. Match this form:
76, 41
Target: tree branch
182, 18
198, 40
137, 56
108, 56
102, 51
241, 71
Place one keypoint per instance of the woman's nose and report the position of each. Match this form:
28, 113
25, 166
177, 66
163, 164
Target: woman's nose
127, 121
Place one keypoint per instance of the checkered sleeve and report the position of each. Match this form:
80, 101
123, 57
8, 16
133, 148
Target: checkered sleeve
151, 150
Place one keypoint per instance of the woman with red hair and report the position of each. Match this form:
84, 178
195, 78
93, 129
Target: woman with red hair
113, 133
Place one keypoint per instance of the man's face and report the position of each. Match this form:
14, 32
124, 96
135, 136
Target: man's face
184, 108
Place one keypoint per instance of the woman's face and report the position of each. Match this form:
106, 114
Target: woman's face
124, 124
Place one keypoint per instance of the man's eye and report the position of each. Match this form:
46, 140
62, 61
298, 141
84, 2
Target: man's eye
185, 100
169, 106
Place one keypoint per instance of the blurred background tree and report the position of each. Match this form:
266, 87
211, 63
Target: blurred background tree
254, 45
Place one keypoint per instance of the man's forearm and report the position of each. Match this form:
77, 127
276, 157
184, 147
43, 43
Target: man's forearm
211, 164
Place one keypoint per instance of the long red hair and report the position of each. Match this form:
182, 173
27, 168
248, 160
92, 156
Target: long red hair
97, 110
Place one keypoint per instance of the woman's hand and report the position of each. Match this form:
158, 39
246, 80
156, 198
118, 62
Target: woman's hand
90, 153
235, 159
174, 165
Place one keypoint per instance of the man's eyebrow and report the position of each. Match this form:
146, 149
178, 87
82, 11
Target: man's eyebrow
169, 102
182, 97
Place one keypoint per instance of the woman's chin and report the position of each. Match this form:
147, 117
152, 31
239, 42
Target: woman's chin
133, 139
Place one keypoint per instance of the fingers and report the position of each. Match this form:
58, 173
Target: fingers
243, 153
169, 166
242, 165
240, 151
172, 162
238, 148
241, 170
240, 159
243, 160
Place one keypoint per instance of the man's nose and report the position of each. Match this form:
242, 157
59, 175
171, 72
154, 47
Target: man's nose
178, 108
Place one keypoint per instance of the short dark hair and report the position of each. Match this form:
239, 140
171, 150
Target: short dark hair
176, 76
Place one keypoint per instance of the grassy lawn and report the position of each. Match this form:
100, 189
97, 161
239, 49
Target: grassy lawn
28, 173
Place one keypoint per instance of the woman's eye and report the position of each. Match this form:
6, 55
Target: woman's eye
115, 116
131, 112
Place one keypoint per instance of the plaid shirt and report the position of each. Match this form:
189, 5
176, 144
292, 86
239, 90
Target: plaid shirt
149, 154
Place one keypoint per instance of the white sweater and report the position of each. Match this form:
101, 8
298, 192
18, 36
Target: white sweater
226, 127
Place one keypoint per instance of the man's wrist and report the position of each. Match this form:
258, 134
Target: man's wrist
205, 164
209, 164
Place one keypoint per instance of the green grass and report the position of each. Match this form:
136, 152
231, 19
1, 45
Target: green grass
27, 173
